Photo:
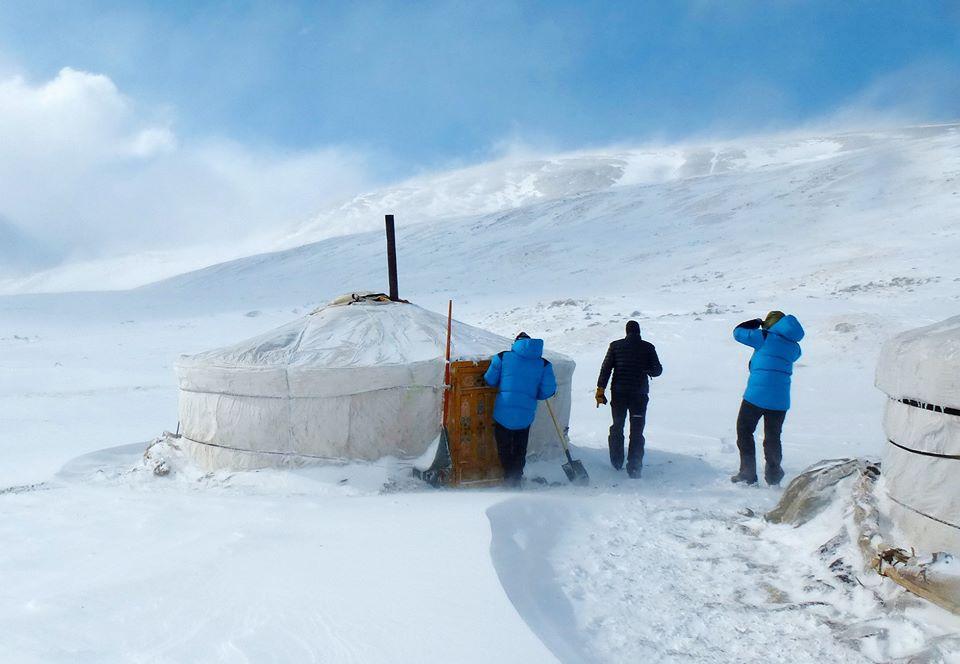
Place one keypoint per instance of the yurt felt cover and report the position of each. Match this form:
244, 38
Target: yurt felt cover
919, 371
349, 381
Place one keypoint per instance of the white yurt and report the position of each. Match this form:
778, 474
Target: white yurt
919, 371
358, 379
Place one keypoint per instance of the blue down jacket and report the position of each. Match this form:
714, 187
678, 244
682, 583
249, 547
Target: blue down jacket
775, 351
523, 377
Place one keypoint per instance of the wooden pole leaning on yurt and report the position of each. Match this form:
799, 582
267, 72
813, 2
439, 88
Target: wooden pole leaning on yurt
392, 258
446, 369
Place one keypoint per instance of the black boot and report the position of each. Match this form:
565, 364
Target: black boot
773, 473
616, 454
634, 472
748, 471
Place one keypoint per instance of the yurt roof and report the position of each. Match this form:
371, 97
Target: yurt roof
358, 332
923, 365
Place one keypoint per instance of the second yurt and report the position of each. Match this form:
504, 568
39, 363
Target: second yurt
919, 371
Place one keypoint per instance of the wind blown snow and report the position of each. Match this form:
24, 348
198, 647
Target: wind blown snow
856, 234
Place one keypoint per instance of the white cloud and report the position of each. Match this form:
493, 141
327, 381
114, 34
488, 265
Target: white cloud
86, 170
153, 141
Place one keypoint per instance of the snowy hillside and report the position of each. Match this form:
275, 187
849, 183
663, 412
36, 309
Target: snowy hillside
852, 215
828, 177
517, 181
856, 234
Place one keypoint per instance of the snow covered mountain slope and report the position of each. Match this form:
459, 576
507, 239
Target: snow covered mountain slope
516, 181
519, 181
871, 214
857, 235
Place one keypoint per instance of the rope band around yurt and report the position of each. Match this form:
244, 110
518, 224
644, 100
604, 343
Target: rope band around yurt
937, 409
923, 514
929, 406
921, 452
933, 408
304, 455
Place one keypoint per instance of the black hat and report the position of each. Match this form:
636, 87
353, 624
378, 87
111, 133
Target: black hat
633, 327
522, 335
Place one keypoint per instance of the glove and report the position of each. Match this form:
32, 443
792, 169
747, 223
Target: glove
751, 324
601, 397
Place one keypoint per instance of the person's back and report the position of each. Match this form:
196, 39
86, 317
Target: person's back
775, 342
523, 377
632, 361
521, 373
775, 351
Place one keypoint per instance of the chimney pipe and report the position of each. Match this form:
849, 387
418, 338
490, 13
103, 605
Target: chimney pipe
392, 258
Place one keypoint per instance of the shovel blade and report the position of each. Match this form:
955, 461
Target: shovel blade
440, 469
576, 473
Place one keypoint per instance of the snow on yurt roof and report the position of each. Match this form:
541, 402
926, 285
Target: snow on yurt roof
923, 365
359, 378
357, 331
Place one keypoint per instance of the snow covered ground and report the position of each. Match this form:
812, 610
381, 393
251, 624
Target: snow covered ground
857, 235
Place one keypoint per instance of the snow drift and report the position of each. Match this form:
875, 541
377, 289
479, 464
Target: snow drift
355, 380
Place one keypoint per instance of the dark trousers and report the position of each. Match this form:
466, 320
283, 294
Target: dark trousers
621, 404
512, 450
747, 422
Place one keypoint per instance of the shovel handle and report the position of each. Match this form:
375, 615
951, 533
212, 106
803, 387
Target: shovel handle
563, 439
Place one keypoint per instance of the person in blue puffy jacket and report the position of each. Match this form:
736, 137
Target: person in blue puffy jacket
775, 343
523, 377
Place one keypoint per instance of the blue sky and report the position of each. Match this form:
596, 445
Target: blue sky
131, 126
424, 84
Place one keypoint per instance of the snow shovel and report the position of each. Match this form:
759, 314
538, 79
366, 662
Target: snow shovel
439, 471
574, 469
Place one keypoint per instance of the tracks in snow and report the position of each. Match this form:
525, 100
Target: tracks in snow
638, 578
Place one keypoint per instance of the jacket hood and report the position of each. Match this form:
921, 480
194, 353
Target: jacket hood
788, 327
528, 347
